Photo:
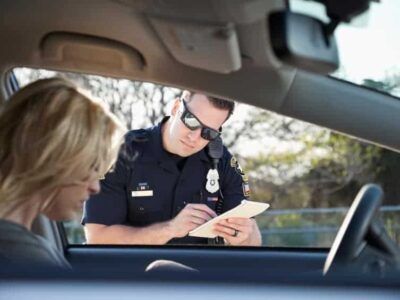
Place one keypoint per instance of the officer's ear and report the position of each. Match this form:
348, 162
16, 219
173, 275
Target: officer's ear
175, 106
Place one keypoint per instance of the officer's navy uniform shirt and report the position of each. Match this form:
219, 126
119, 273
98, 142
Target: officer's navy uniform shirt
146, 185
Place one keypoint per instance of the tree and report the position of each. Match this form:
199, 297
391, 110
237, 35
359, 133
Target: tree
142, 104
388, 164
303, 166
137, 104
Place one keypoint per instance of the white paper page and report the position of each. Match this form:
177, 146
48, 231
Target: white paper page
246, 209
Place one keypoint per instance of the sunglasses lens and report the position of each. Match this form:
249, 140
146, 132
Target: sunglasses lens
209, 134
190, 121
193, 123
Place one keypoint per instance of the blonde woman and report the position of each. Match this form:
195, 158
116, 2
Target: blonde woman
55, 144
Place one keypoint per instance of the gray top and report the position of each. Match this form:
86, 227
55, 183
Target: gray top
20, 246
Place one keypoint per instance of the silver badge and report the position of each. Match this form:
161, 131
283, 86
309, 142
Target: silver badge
212, 184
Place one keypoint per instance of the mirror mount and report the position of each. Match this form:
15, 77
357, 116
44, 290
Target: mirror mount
307, 43
301, 41
343, 11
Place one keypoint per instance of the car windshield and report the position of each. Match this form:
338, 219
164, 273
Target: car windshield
369, 47
308, 174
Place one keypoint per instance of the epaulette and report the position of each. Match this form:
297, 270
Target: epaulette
139, 136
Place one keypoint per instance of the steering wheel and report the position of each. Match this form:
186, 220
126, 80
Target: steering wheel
359, 229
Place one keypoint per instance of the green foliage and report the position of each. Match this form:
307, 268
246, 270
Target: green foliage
307, 166
325, 172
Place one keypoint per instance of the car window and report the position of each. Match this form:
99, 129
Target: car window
308, 174
369, 50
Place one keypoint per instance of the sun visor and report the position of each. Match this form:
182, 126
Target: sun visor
90, 54
210, 47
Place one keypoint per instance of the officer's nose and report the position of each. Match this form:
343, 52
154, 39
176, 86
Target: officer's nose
194, 134
94, 186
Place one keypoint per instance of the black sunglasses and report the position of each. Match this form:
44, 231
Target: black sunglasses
193, 123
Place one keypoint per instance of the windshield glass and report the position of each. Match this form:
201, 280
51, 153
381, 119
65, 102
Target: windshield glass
369, 47
308, 174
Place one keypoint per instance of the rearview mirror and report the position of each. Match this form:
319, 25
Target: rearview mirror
302, 42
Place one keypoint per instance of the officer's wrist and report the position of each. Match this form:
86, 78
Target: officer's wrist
169, 230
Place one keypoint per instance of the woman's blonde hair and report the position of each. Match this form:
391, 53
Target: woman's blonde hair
52, 135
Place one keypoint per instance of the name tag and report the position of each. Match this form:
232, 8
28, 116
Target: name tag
147, 193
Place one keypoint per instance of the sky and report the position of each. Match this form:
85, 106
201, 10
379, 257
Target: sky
369, 48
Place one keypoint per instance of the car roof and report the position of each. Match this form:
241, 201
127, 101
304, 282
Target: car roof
221, 47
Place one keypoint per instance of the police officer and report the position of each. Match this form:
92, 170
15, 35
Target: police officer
164, 184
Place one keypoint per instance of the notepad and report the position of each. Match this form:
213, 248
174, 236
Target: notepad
246, 209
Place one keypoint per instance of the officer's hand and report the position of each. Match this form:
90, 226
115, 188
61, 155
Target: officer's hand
192, 216
239, 232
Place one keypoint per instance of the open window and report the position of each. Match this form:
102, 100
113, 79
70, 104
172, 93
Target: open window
309, 175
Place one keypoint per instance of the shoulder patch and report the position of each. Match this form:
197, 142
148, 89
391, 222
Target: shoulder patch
245, 178
235, 164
